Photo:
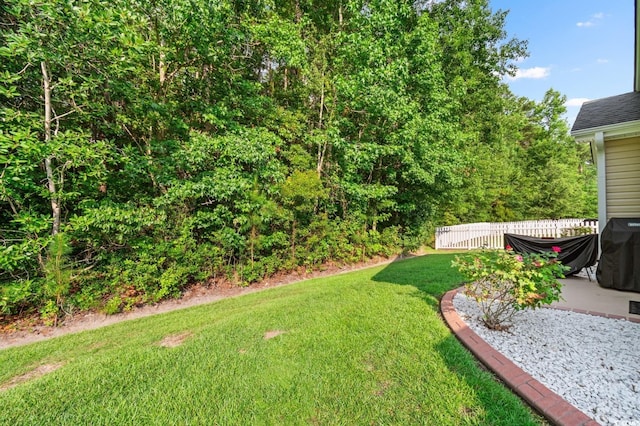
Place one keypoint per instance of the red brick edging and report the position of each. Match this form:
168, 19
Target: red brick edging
553, 407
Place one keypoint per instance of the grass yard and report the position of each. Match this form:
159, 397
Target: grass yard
367, 347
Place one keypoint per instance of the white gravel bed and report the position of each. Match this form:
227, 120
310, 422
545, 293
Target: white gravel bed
592, 362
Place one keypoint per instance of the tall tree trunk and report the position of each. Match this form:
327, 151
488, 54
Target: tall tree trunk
298, 12
293, 240
286, 78
322, 148
162, 66
252, 242
48, 161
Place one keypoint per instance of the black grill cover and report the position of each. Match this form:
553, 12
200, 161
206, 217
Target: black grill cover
619, 265
575, 252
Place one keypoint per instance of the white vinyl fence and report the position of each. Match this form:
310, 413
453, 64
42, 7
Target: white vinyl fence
491, 235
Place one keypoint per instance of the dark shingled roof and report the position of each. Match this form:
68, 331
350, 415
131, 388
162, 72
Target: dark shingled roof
608, 111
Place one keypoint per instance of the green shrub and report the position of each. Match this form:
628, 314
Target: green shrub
173, 280
57, 278
576, 231
504, 282
91, 289
17, 296
49, 312
115, 256
113, 305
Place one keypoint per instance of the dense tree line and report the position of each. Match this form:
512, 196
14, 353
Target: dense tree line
145, 145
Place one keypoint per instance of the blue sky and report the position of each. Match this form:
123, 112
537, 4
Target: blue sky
581, 48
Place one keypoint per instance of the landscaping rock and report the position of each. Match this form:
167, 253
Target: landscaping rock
590, 361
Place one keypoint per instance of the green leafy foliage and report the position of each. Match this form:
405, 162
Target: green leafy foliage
504, 282
171, 142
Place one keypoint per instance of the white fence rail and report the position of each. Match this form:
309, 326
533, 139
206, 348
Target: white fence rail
491, 235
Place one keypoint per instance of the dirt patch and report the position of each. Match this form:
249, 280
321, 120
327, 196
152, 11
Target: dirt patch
369, 367
272, 333
31, 330
39, 371
175, 340
382, 388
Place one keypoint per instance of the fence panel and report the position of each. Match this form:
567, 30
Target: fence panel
491, 235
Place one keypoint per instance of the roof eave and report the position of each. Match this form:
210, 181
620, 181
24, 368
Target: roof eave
627, 129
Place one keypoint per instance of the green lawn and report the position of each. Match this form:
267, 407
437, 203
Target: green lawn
366, 347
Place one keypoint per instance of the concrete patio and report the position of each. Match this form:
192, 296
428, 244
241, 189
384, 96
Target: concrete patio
583, 295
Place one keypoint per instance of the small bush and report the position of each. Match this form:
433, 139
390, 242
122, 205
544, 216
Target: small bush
172, 281
49, 312
113, 305
17, 296
504, 282
576, 231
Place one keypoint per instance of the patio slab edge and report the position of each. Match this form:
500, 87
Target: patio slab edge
552, 406
597, 314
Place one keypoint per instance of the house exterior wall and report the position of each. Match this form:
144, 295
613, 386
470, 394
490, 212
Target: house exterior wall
622, 165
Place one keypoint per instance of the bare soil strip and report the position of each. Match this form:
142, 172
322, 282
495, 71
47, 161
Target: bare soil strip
39, 371
175, 340
24, 333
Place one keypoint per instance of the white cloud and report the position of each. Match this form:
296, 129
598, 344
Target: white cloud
534, 73
575, 102
602, 61
592, 21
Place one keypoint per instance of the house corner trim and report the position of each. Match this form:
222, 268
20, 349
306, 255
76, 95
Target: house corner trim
602, 180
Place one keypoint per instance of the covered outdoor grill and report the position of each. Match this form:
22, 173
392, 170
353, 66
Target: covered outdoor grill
575, 252
619, 265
